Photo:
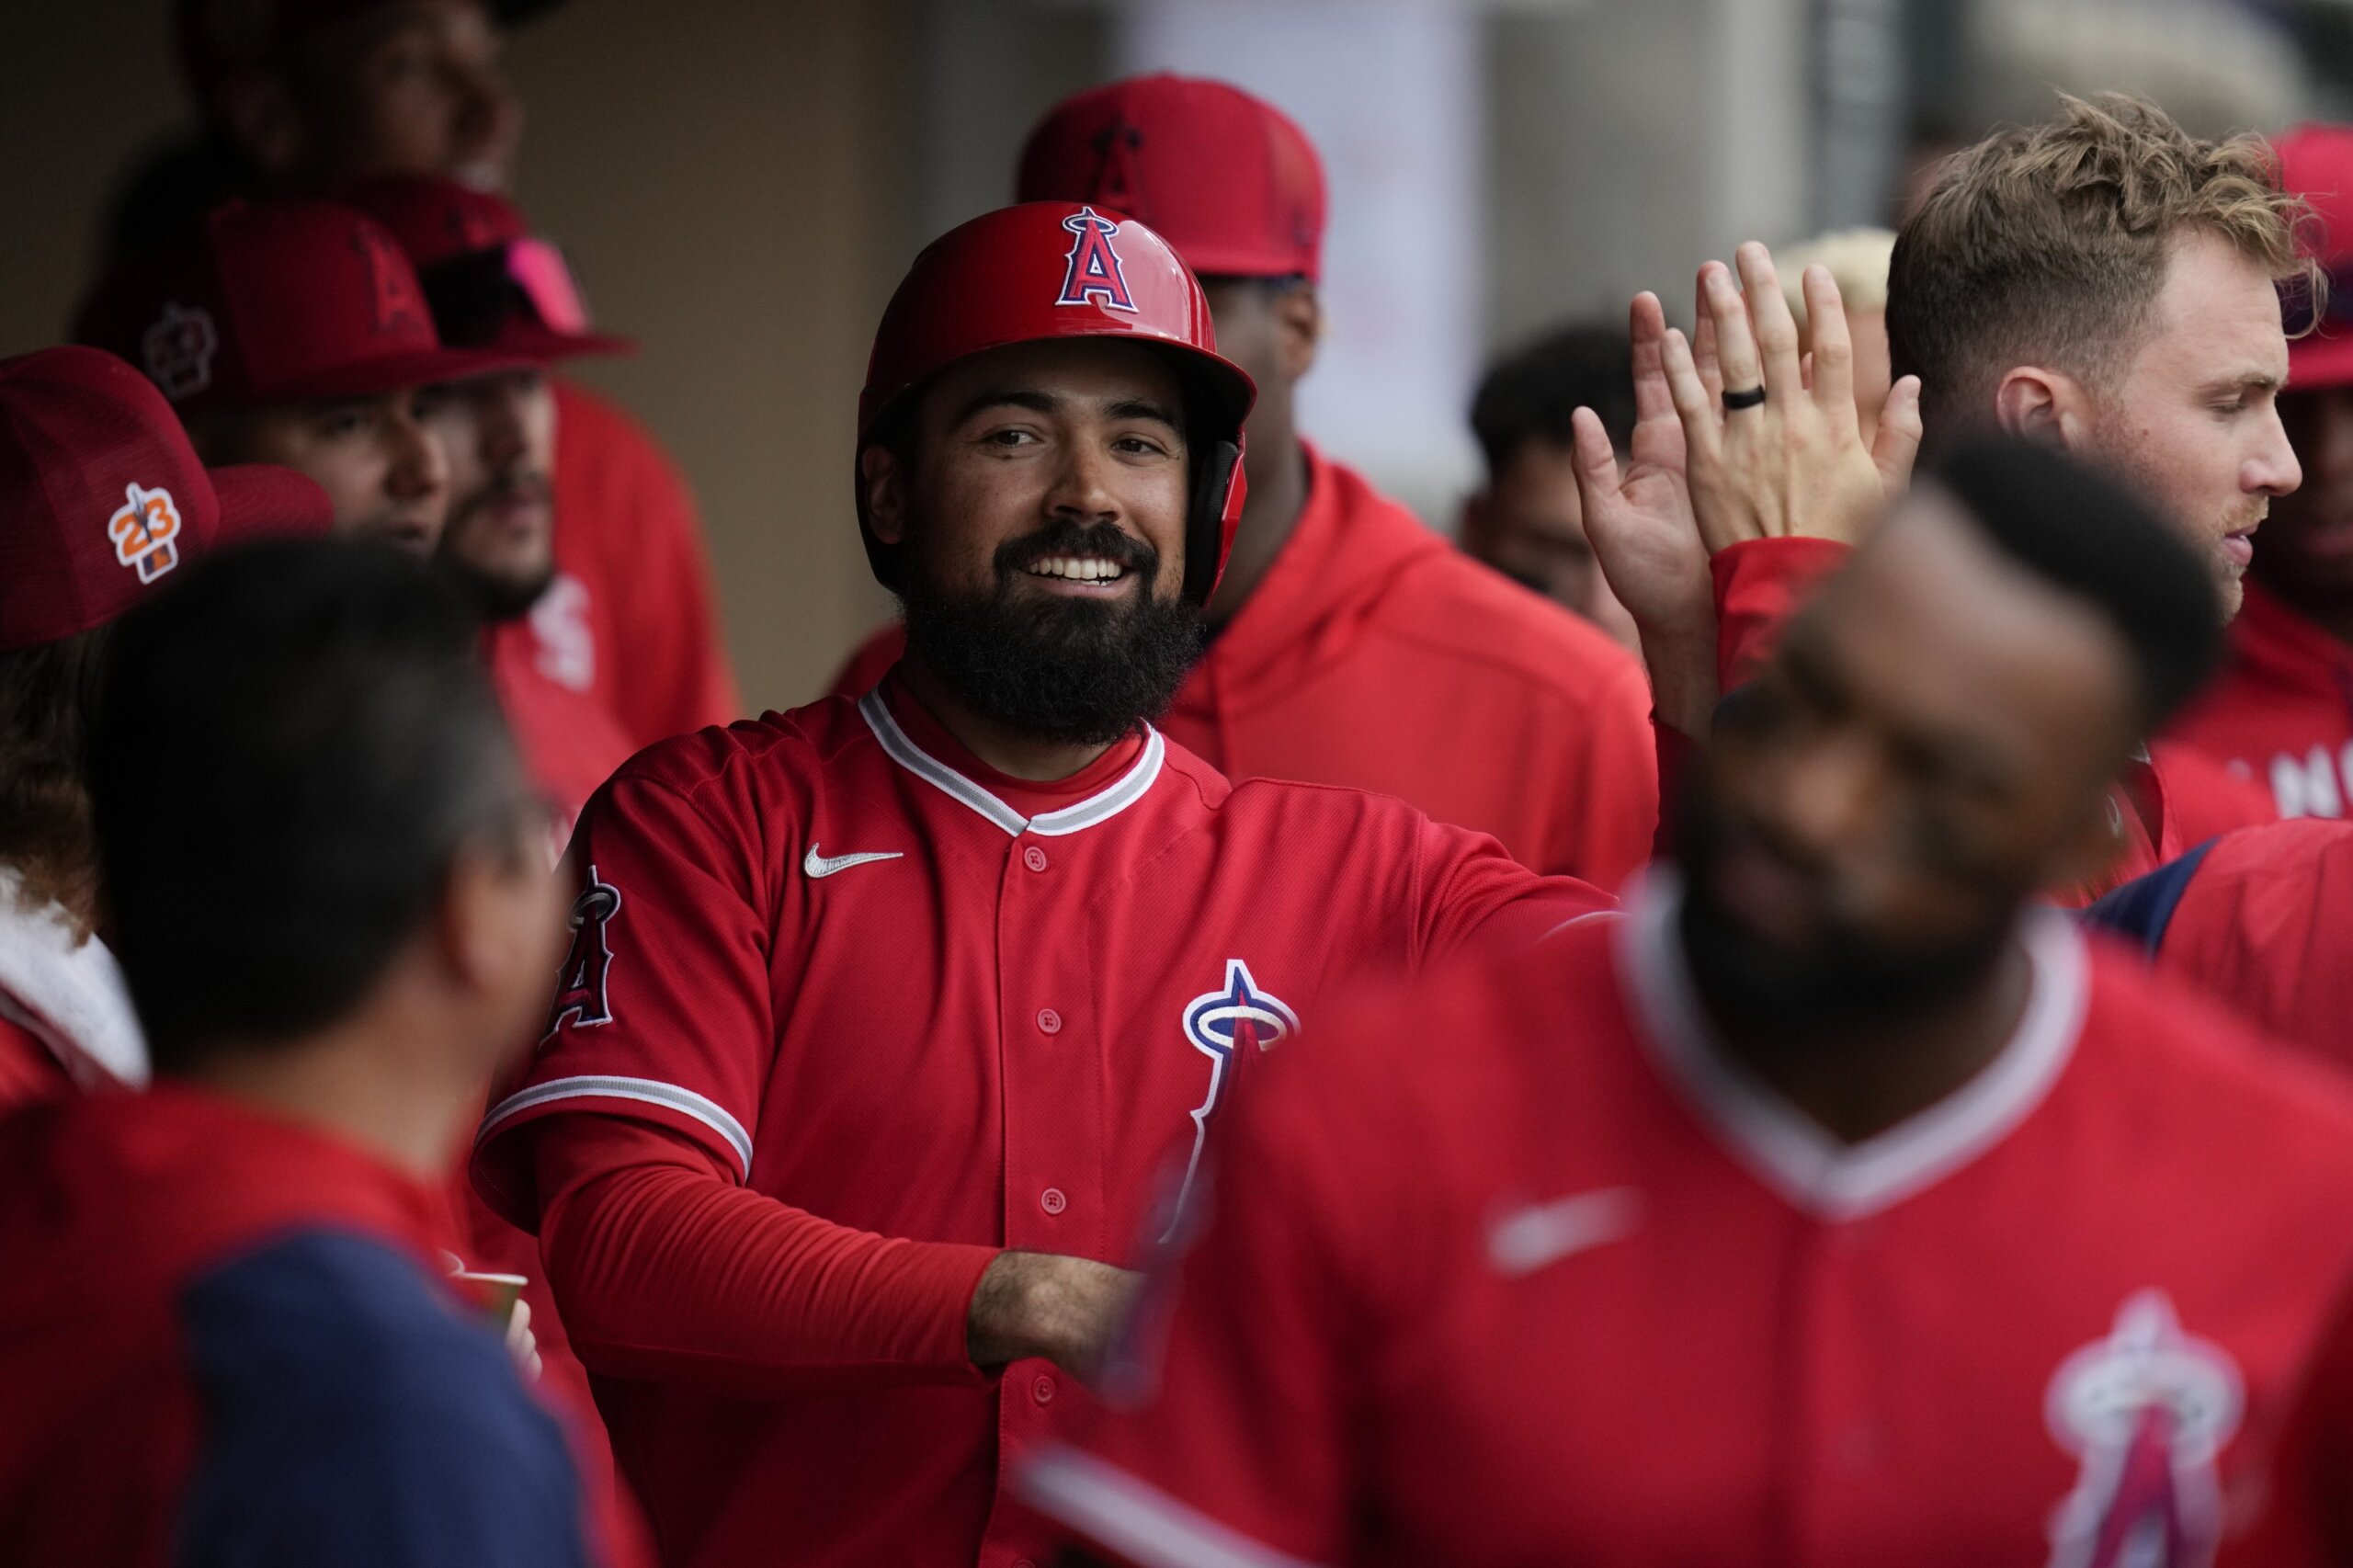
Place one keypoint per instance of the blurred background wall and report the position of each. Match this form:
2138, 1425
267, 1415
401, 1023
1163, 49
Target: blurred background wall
740, 182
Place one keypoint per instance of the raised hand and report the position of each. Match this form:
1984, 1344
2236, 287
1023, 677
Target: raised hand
1645, 535
1794, 464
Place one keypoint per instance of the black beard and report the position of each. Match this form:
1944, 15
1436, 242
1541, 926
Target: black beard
1842, 983
1084, 672
497, 599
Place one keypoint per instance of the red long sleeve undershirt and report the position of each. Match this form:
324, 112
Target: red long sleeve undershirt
667, 1270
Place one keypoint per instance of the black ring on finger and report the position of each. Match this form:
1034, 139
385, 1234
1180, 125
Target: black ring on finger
1749, 399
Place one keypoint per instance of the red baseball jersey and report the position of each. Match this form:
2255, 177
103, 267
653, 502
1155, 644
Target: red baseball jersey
571, 740
1528, 1270
632, 614
2282, 712
2261, 919
921, 1011
1375, 655
2168, 799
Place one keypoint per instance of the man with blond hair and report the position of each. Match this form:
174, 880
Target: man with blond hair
2104, 284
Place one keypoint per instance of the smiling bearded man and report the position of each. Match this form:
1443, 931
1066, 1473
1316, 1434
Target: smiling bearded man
892, 1024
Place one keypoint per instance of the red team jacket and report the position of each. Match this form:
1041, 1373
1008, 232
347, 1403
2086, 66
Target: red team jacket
846, 1013
2169, 800
2282, 712
1375, 655
2263, 919
633, 577
226, 1338
1506, 1303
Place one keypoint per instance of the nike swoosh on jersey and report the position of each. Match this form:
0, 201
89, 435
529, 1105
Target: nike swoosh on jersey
1543, 1234
818, 865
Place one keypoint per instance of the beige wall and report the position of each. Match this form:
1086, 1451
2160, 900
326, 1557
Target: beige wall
721, 173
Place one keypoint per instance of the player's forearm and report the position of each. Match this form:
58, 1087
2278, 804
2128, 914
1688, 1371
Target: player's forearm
1035, 1303
673, 1275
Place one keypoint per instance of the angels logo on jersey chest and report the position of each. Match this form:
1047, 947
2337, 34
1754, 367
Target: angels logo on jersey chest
2148, 1412
1229, 1026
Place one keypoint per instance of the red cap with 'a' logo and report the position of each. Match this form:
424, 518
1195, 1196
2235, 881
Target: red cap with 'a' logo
101, 498
1225, 178
279, 301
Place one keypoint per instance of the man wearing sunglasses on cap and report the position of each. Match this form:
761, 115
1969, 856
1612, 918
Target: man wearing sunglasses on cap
494, 286
306, 96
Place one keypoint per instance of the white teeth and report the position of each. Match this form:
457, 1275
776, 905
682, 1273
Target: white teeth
1076, 569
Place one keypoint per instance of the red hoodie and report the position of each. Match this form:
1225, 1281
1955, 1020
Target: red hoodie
2282, 712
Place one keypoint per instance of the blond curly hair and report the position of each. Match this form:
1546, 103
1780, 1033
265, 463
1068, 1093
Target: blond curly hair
2047, 245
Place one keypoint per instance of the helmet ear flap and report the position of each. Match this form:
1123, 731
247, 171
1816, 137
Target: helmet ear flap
1219, 491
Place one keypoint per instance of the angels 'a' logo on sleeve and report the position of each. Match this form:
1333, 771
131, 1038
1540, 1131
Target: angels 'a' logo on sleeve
580, 996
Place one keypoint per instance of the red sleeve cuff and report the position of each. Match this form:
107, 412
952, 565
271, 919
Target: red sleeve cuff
1759, 585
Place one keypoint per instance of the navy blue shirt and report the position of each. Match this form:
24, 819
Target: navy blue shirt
353, 1416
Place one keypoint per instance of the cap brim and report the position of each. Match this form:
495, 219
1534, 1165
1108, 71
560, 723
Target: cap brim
539, 342
2319, 361
265, 501
389, 372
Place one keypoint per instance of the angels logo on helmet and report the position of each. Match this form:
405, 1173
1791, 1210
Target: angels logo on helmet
1092, 272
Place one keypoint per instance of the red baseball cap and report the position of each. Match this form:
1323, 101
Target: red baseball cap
278, 301
492, 282
2316, 163
1226, 178
101, 496
217, 39
1060, 270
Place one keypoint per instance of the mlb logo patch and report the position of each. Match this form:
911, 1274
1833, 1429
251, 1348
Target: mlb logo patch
178, 349
1091, 273
142, 531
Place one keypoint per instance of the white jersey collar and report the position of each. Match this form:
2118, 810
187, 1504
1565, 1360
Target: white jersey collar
1790, 1151
1101, 806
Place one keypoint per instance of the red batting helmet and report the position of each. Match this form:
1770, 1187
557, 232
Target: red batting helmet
1051, 269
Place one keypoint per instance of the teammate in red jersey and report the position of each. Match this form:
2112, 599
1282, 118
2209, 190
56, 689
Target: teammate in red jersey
2282, 712
493, 284
226, 1331
305, 97
1350, 644
881, 1015
2258, 919
101, 501
1837, 1207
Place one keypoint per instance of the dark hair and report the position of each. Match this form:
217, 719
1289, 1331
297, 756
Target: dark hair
298, 737
2093, 539
49, 696
1532, 391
